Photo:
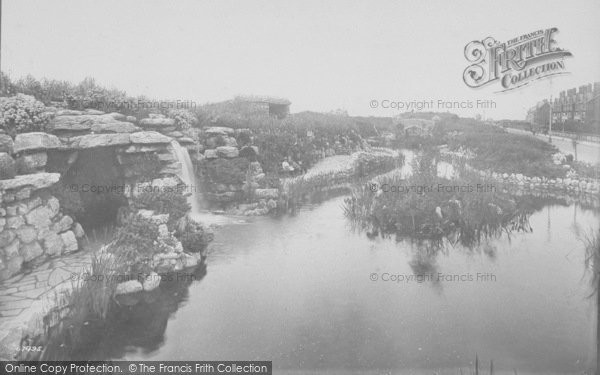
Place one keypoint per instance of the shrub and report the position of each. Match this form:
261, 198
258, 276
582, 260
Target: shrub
135, 243
164, 202
244, 138
22, 114
184, 119
226, 171
569, 159
193, 236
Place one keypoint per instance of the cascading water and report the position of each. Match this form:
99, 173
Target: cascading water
187, 175
195, 198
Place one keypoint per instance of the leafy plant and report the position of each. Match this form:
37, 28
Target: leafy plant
21, 114
135, 243
164, 202
193, 236
226, 171
184, 119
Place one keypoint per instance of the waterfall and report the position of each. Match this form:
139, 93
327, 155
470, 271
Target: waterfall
187, 175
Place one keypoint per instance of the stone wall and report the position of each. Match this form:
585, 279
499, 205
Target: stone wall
32, 227
586, 188
32, 224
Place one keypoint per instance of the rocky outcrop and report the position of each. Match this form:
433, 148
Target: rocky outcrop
149, 137
158, 122
95, 122
32, 227
266, 193
19, 184
127, 287
36, 141
170, 258
227, 152
218, 130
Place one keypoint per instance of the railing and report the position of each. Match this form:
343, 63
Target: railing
578, 136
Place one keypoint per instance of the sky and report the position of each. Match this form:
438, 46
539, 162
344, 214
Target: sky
322, 56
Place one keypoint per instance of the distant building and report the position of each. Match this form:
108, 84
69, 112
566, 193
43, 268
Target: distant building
277, 107
417, 126
576, 107
592, 111
539, 115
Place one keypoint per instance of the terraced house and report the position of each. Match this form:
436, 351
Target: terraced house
577, 110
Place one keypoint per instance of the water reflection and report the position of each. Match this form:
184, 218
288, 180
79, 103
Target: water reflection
297, 290
137, 323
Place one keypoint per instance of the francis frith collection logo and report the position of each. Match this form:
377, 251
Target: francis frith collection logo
514, 63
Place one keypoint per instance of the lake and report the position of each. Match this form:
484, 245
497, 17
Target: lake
314, 297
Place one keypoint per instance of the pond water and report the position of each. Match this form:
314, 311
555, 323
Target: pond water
300, 291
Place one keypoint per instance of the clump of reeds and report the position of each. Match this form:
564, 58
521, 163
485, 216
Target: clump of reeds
87, 302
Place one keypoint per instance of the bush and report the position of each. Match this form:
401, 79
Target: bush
164, 202
193, 236
22, 114
184, 119
135, 244
226, 171
569, 158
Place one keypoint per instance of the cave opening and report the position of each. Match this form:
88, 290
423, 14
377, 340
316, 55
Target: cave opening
91, 188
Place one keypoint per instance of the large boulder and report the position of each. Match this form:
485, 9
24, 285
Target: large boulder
157, 122
69, 112
37, 181
227, 152
148, 137
115, 127
36, 141
26, 233
78, 231
127, 287
211, 154
95, 122
266, 193
218, 130
30, 251
100, 140
151, 282
90, 111
63, 224
40, 217
53, 244
70, 241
